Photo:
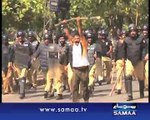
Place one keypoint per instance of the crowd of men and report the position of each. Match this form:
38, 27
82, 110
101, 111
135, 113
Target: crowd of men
76, 62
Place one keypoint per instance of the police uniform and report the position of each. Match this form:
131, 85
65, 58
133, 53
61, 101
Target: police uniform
134, 54
21, 63
146, 41
106, 52
6, 66
106, 58
92, 55
119, 60
92, 66
32, 72
48, 56
63, 61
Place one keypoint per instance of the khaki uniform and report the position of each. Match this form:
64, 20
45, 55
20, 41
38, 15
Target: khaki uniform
119, 68
32, 73
138, 69
7, 82
107, 62
146, 74
70, 75
53, 80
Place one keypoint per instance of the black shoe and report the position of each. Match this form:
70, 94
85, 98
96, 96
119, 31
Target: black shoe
141, 95
141, 87
59, 97
64, 88
119, 92
22, 96
46, 94
100, 83
51, 95
130, 98
91, 90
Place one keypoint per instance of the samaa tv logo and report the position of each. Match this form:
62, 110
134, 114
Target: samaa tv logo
124, 109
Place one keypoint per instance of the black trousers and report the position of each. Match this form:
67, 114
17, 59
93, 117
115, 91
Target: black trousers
80, 75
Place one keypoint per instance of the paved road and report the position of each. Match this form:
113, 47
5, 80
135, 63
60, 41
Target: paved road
101, 94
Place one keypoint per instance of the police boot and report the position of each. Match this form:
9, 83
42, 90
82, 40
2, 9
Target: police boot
128, 84
141, 87
45, 94
59, 97
22, 84
91, 89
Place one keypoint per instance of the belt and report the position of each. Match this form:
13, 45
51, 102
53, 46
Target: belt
81, 68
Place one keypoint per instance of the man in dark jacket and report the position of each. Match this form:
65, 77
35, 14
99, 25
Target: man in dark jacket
63, 60
48, 56
134, 55
21, 54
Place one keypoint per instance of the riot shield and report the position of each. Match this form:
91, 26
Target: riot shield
22, 56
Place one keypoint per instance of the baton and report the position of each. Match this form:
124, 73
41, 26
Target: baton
82, 18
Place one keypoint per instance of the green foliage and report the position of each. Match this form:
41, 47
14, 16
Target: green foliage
33, 14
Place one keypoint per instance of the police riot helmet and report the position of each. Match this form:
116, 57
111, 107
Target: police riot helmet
89, 35
88, 31
132, 27
104, 32
145, 28
31, 34
47, 36
121, 32
20, 33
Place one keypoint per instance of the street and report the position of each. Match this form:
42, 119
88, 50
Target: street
101, 95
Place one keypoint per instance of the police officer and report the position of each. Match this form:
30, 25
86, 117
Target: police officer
134, 54
48, 56
6, 66
119, 59
91, 59
146, 40
32, 73
63, 59
106, 52
21, 60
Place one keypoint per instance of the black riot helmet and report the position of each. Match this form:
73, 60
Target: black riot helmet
88, 31
89, 35
121, 32
145, 28
47, 37
132, 27
20, 34
31, 34
145, 31
102, 32
133, 31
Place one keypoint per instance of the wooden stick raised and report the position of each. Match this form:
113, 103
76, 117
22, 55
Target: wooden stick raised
82, 18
